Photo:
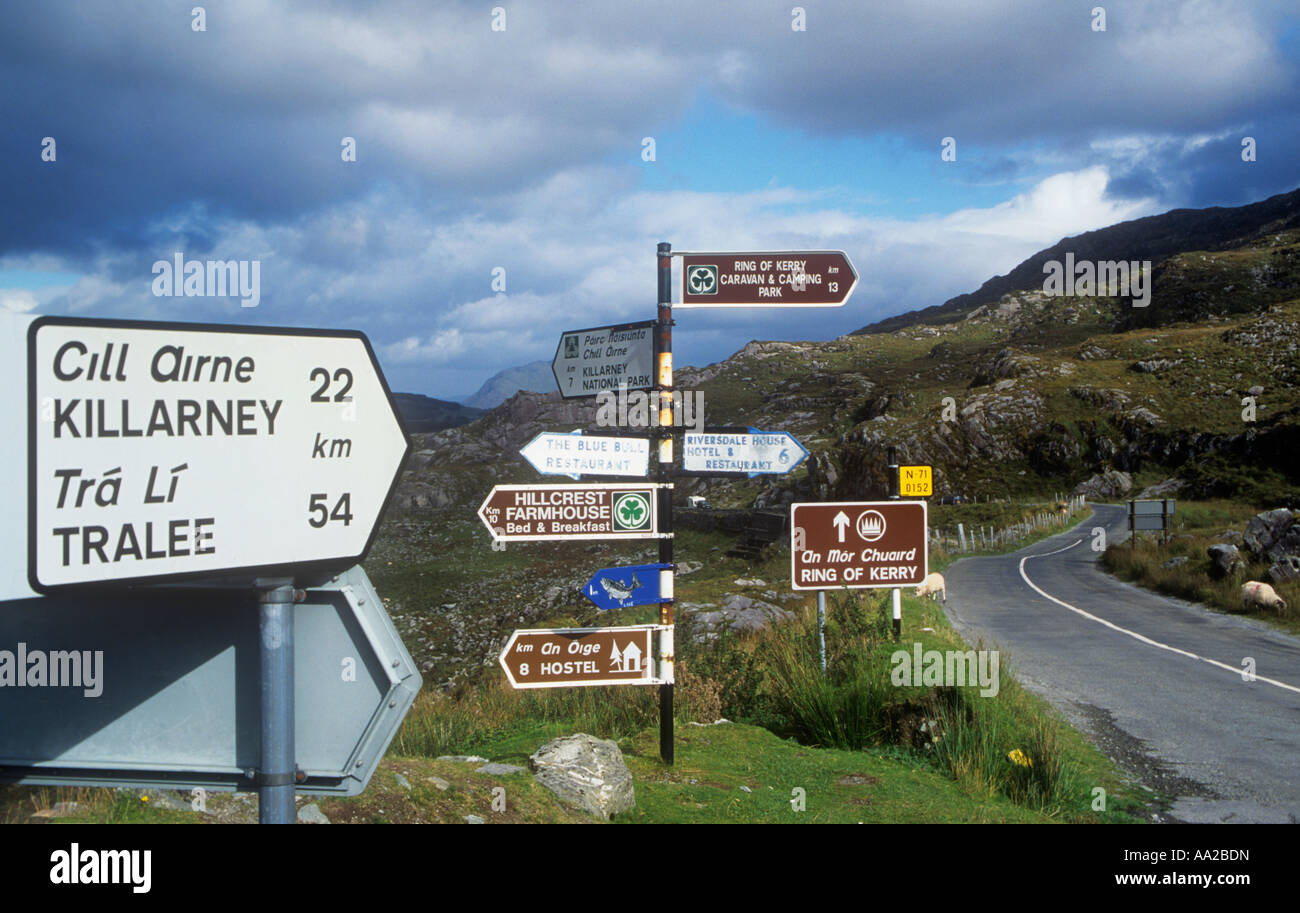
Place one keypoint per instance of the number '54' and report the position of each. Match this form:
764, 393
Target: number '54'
321, 514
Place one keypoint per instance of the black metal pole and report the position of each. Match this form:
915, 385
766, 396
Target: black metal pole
896, 594
664, 357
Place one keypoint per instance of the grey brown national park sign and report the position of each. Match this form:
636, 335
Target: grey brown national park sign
807, 278
859, 545
590, 362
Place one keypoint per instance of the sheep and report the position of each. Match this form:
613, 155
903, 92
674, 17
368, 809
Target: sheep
932, 587
1254, 593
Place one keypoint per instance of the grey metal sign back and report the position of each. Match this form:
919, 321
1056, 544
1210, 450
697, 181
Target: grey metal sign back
1157, 508
178, 688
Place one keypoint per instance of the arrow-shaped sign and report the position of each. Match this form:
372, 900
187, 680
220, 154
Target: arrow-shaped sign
841, 523
575, 657
742, 452
788, 278
592, 361
621, 587
593, 510
577, 454
164, 451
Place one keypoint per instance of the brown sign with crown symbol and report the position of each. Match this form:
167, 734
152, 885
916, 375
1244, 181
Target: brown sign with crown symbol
858, 544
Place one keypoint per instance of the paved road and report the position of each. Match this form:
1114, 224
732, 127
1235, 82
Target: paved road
1156, 682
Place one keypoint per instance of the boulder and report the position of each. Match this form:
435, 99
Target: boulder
500, 770
1273, 534
586, 772
1007, 363
311, 814
1225, 560
1109, 399
1093, 352
737, 614
1154, 365
1166, 489
1142, 418
822, 476
1286, 568
1175, 562
1110, 484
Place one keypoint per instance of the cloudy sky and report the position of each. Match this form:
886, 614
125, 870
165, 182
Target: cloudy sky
513, 139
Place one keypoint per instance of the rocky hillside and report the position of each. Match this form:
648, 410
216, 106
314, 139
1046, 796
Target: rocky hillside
1154, 238
1022, 396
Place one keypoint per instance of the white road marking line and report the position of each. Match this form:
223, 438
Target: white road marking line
1134, 634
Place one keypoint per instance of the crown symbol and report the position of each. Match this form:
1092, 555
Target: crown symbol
870, 525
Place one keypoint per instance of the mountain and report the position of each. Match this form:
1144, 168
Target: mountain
1020, 398
1024, 396
535, 377
1154, 238
423, 414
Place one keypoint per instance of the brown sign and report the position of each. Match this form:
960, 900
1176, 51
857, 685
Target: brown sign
807, 278
858, 545
600, 511
568, 657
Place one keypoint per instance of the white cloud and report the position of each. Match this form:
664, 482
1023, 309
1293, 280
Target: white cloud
578, 252
17, 301
1060, 205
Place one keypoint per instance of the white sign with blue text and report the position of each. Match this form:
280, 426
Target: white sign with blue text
577, 454
753, 452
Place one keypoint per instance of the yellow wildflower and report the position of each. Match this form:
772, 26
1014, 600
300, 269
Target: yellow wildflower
1019, 757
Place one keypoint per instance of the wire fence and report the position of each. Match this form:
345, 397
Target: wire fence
987, 538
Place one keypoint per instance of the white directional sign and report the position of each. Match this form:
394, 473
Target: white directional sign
176, 451
577, 454
611, 510
752, 452
588, 362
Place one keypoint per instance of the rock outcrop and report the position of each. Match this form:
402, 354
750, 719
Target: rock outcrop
1225, 560
1109, 484
1273, 534
737, 614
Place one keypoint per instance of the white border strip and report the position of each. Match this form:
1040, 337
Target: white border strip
1136, 636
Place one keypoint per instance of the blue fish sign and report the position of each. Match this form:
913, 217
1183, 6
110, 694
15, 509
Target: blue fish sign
621, 587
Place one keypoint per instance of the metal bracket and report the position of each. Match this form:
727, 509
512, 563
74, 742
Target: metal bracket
265, 779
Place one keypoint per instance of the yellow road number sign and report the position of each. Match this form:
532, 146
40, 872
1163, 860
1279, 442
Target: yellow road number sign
916, 481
